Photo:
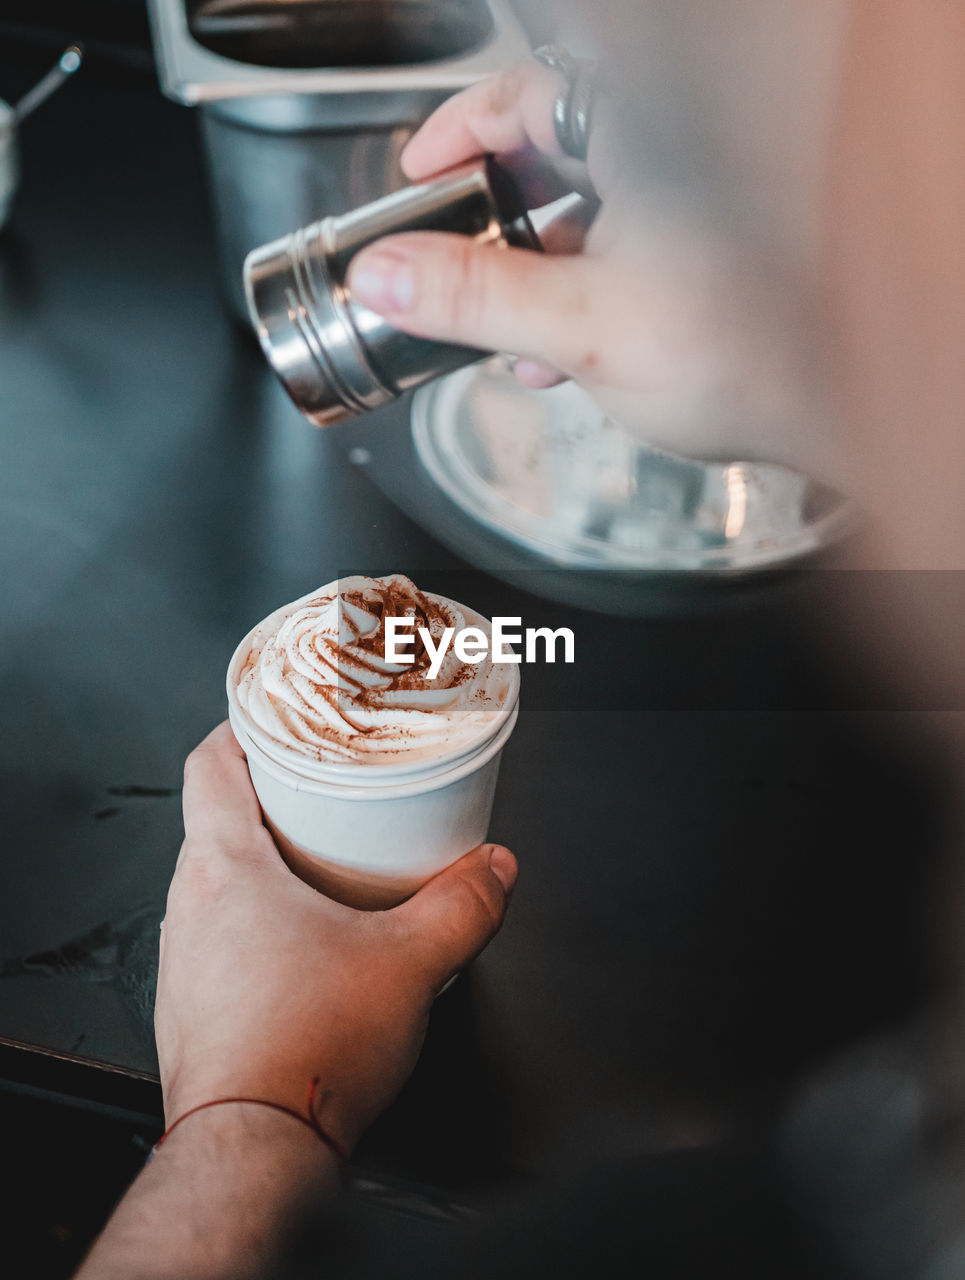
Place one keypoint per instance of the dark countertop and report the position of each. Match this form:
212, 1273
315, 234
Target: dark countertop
719, 854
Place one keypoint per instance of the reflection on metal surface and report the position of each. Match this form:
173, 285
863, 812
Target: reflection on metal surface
736, 483
334, 356
549, 471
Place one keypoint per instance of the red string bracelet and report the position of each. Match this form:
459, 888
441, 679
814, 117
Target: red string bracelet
309, 1120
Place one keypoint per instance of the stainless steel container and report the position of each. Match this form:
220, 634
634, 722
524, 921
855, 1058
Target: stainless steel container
306, 104
335, 357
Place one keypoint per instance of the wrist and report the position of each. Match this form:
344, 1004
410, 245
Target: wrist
300, 1098
218, 1200
248, 1133
252, 1130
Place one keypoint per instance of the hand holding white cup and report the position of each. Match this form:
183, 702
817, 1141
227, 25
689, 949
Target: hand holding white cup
371, 775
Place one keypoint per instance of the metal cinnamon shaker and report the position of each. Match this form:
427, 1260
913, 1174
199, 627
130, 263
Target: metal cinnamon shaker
335, 357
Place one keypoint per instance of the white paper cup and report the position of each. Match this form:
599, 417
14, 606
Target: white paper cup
369, 835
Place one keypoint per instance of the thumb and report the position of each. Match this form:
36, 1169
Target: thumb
452, 917
491, 296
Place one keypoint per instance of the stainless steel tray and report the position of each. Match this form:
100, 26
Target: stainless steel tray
287, 142
192, 73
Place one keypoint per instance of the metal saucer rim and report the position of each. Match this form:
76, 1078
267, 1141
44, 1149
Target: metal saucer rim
516, 527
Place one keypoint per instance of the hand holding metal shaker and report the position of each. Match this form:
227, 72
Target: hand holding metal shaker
335, 357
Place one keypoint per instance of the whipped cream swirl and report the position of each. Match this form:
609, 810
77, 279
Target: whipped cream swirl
316, 678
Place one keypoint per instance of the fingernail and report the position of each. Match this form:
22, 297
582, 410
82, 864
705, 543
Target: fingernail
533, 374
382, 281
503, 866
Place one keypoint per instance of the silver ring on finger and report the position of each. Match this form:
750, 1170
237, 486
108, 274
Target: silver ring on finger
573, 107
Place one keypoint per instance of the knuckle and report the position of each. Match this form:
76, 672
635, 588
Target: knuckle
195, 762
481, 902
579, 333
503, 90
464, 302
587, 363
201, 876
